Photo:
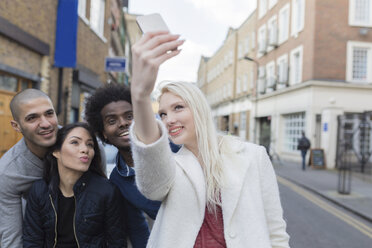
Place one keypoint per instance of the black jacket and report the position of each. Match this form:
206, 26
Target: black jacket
303, 144
98, 217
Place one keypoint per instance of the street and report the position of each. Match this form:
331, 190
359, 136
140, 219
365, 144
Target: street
313, 221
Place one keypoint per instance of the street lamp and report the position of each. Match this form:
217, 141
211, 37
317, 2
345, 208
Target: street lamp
256, 96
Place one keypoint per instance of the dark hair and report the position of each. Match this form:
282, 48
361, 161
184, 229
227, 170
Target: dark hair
51, 175
104, 95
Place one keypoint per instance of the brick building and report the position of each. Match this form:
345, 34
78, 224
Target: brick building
314, 60
226, 79
28, 31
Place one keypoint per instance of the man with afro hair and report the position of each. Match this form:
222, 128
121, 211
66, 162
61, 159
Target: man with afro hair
109, 112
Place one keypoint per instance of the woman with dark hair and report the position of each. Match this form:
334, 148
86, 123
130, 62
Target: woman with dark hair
74, 204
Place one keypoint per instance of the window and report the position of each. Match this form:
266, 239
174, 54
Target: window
272, 3
245, 82
246, 44
262, 8
97, 15
296, 65
298, 16
261, 80
262, 39
243, 125
294, 124
82, 5
283, 23
359, 62
13, 83
282, 65
360, 13
230, 89
253, 40
238, 82
270, 78
240, 51
230, 57
272, 31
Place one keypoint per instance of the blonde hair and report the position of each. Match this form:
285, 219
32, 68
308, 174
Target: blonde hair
206, 135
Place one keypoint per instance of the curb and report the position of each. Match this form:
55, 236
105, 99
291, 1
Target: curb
362, 215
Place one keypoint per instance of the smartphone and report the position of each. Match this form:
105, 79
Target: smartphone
151, 23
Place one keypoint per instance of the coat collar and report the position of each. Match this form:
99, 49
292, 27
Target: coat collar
235, 166
194, 172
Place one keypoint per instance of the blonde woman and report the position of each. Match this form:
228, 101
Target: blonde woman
216, 191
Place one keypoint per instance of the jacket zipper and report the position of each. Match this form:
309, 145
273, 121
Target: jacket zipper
55, 225
77, 242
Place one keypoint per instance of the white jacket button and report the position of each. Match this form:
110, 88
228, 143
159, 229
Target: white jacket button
232, 234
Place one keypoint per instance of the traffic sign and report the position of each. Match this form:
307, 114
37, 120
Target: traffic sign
115, 64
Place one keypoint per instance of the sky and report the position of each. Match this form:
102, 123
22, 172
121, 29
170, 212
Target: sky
202, 23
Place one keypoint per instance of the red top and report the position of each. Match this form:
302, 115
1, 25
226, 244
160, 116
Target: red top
211, 233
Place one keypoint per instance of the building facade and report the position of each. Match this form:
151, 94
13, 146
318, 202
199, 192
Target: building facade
314, 60
29, 32
226, 79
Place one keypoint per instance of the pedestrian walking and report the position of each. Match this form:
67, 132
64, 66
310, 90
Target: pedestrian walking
303, 146
216, 191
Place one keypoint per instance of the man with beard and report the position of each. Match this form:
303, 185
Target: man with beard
34, 117
109, 112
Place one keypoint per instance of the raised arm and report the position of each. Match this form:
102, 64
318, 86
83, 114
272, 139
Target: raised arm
149, 53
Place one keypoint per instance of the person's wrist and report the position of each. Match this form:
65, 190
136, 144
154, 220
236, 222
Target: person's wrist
139, 96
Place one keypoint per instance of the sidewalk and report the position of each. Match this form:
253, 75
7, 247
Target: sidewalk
324, 183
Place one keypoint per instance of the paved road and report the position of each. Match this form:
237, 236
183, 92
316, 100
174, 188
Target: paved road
315, 222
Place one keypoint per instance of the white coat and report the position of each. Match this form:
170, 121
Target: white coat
252, 213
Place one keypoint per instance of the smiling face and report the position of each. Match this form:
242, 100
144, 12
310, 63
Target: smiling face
179, 120
77, 151
38, 123
117, 118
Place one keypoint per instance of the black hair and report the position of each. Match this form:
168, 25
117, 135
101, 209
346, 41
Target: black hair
51, 175
104, 95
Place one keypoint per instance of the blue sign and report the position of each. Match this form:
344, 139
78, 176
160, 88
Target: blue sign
115, 64
66, 34
325, 127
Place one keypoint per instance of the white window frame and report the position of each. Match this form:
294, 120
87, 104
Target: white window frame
245, 82
298, 50
352, 17
272, 3
272, 30
262, 41
82, 10
246, 45
283, 24
351, 45
253, 40
282, 68
294, 125
270, 76
238, 86
98, 26
298, 15
262, 8
240, 50
231, 57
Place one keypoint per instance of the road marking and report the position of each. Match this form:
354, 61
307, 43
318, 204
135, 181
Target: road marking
327, 207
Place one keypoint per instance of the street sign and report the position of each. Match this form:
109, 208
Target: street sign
115, 64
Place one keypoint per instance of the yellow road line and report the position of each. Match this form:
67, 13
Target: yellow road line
327, 207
